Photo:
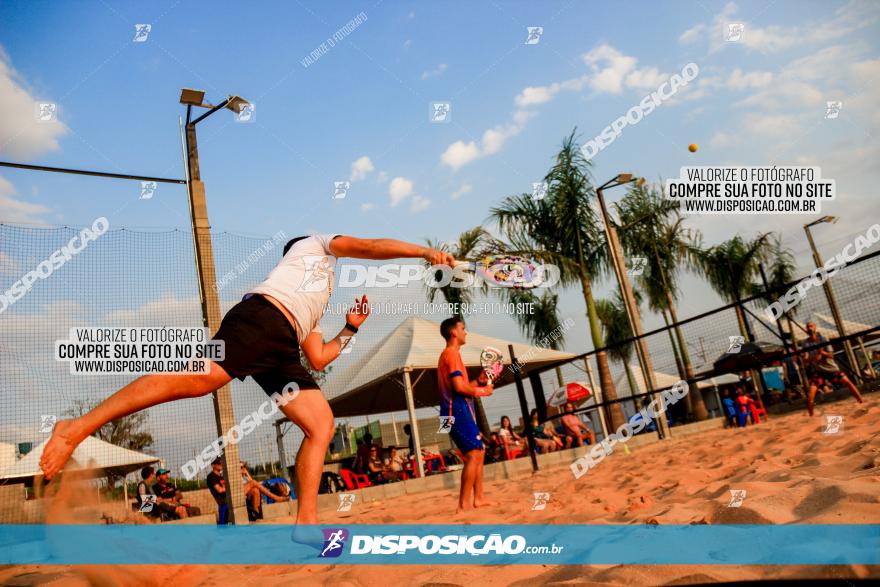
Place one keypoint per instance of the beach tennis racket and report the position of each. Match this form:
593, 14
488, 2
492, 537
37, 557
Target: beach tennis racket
492, 362
507, 271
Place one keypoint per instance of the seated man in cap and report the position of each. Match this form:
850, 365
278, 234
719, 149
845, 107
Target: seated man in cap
166, 495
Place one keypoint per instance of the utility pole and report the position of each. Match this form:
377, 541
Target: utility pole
832, 302
224, 415
632, 309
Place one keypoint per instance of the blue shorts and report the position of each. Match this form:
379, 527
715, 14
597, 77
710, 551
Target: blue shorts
465, 433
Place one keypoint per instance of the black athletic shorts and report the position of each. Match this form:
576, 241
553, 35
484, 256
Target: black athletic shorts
260, 342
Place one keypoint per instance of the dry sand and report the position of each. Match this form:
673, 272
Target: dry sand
791, 471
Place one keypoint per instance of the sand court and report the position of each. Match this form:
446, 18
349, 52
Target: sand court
790, 471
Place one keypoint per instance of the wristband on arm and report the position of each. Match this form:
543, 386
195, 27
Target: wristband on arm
348, 326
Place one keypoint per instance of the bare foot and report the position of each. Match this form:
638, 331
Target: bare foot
309, 535
59, 448
461, 510
481, 503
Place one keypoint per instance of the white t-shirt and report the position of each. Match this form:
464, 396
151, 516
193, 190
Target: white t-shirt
303, 282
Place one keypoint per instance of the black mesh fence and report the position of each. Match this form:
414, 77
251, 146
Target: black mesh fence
706, 338
127, 278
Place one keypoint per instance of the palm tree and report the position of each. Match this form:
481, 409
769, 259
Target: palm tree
616, 327
470, 244
541, 326
782, 272
563, 229
731, 268
655, 231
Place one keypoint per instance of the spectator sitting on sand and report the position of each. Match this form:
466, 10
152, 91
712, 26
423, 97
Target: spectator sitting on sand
507, 435
574, 428
544, 443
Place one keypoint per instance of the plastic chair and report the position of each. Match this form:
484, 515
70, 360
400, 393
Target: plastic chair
331, 483
354, 481
510, 453
434, 463
756, 412
730, 411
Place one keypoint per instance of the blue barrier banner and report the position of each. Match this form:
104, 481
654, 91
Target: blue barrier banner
810, 544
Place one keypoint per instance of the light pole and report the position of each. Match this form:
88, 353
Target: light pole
207, 277
829, 295
632, 309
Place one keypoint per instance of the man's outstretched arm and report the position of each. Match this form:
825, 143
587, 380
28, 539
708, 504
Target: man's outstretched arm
386, 248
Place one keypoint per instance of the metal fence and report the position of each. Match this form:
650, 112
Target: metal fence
128, 278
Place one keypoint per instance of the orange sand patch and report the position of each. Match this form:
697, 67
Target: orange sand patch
792, 473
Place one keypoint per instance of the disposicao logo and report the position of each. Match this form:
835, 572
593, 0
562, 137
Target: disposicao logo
334, 542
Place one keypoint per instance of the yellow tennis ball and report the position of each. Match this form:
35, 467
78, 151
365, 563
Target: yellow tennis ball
692, 147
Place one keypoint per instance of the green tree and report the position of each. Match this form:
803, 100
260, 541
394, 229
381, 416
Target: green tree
470, 244
731, 269
563, 229
655, 231
126, 432
542, 326
616, 328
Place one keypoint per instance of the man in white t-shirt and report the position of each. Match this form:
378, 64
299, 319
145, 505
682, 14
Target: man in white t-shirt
263, 335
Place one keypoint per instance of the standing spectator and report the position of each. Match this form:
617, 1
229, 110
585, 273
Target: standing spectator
574, 428
362, 459
217, 487
407, 429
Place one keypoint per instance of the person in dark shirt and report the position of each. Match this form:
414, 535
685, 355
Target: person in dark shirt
166, 495
146, 499
411, 444
217, 487
362, 458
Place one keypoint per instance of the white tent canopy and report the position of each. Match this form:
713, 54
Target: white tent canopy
373, 384
663, 380
92, 454
400, 372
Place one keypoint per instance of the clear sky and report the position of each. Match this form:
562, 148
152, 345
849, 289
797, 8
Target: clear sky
360, 111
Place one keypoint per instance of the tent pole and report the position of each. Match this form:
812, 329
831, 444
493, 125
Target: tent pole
413, 422
524, 409
125, 492
394, 427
